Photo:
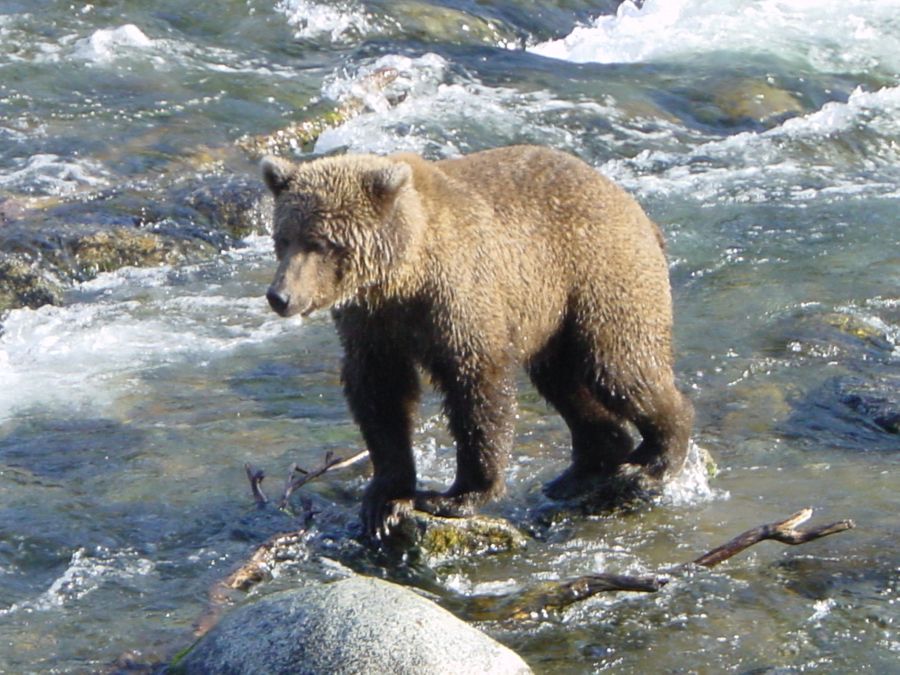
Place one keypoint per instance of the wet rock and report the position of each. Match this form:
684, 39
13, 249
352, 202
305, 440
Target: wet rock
878, 400
24, 284
710, 466
303, 134
832, 336
754, 406
357, 625
432, 23
233, 204
439, 539
110, 250
755, 100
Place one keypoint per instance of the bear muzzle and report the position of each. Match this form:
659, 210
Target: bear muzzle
279, 301
282, 303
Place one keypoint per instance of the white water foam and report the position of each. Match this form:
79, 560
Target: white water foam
829, 35
87, 354
84, 574
107, 44
425, 111
691, 486
53, 175
782, 161
314, 20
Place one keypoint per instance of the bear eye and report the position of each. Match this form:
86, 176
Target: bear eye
316, 246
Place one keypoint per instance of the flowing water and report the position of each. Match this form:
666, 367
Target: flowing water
764, 137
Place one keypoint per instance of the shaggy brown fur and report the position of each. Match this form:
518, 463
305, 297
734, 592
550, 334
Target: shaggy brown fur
467, 268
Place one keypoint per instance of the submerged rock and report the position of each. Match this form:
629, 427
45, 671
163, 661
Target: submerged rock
431, 23
878, 400
755, 100
357, 625
48, 243
235, 205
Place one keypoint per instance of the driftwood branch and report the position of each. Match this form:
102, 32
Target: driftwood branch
549, 596
784, 531
298, 477
258, 568
557, 596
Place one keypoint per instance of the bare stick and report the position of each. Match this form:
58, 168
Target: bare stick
559, 595
784, 531
331, 463
256, 476
553, 596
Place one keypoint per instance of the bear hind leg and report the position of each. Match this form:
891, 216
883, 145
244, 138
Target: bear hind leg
665, 427
601, 441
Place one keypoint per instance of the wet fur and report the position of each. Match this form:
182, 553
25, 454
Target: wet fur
469, 268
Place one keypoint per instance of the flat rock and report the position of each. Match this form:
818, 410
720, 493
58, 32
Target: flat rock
357, 625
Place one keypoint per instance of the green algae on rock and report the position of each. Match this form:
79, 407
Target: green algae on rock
440, 539
24, 284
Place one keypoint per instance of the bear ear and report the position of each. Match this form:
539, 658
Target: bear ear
385, 183
276, 173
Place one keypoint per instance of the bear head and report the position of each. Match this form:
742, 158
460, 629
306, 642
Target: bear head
342, 226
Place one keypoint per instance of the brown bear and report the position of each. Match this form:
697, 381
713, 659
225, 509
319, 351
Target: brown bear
467, 268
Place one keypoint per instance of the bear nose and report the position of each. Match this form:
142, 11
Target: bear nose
278, 300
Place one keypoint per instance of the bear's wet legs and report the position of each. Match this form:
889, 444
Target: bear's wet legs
383, 391
481, 412
600, 444
601, 441
665, 434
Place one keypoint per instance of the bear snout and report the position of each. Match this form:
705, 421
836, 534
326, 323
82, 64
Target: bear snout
278, 300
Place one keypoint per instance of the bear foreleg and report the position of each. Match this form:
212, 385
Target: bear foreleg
481, 412
382, 389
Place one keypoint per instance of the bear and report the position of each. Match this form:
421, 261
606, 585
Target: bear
468, 269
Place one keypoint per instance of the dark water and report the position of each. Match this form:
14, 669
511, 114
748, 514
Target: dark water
762, 136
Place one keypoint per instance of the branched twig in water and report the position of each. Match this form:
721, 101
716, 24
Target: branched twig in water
556, 596
784, 531
256, 476
331, 463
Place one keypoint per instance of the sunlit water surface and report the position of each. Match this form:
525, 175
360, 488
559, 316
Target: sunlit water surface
127, 414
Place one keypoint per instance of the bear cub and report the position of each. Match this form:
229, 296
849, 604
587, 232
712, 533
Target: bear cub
469, 268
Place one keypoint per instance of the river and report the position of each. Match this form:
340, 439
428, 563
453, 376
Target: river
763, 136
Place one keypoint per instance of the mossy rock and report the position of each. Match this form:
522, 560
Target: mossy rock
447, 25
440, 539
756, 100
23, 284
110, 250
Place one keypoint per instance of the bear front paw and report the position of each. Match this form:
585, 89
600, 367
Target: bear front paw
381, 511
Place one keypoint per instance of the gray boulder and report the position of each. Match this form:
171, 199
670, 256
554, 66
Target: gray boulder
357, 625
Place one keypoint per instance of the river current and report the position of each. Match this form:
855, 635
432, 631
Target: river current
763, 136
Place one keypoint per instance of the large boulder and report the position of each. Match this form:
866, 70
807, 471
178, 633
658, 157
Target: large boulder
357, 625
